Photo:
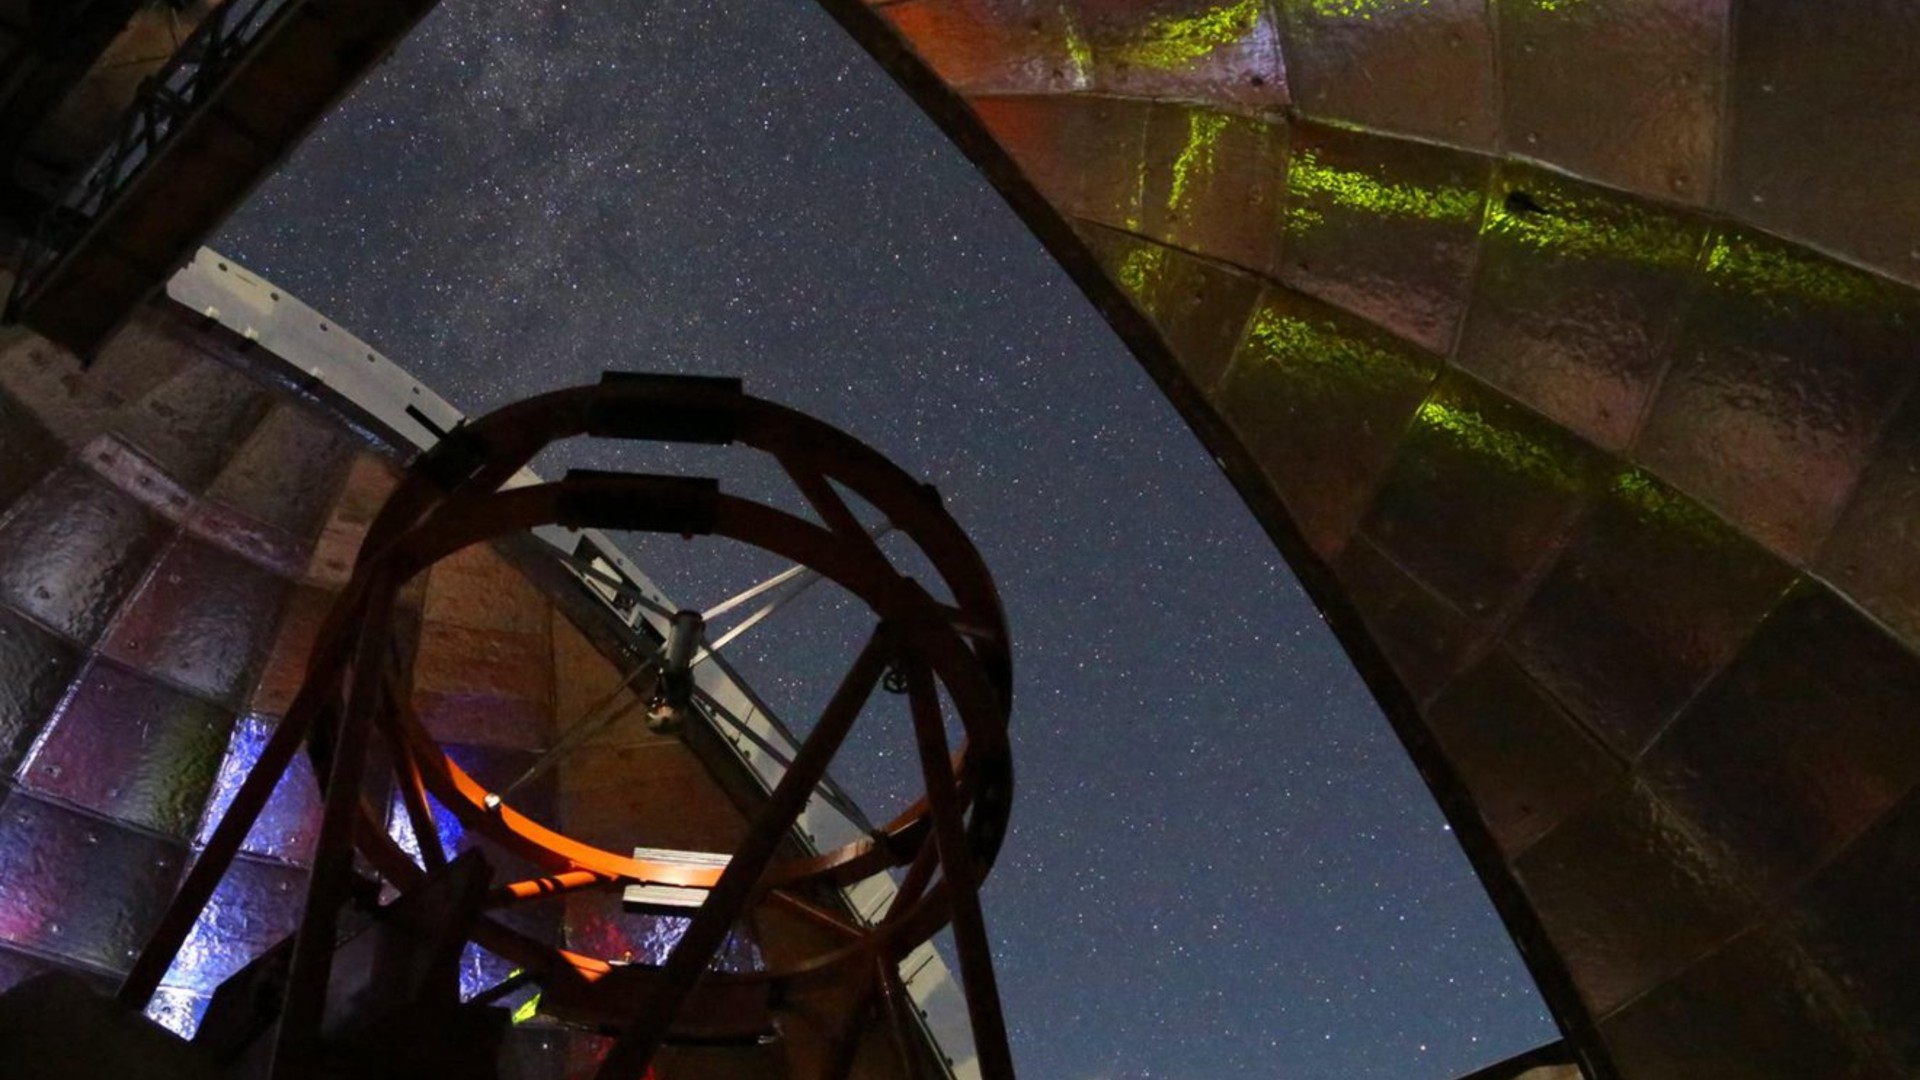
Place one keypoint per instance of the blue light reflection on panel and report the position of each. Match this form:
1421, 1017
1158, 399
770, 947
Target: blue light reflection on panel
453, 835
480, 969
177, 1010
256, 905
290, 822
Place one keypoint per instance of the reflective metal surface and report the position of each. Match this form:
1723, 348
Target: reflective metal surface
1566, 346
175, 523
1568, 350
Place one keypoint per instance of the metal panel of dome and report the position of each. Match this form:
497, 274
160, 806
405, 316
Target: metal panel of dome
1565, 348
1579, 391
178, 518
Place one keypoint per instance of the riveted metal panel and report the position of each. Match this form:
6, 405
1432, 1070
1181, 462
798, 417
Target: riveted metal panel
1630, 895
1759, 1008
132, 749
1626, 92
28, 451
47, 379
1384, 228
1225, 53
1411, 67
73, 549
1653, 596
999, 46
476, 589
78, 887
289, 824
256, 905
1870, 553
1528, 764
17, 967
259, 484
285, 666
202, 620
1854, 917
1807, 738
1322, 400
1577, 300
1835, 83
177, 1010
1087, 154
484, 686
1198, 306
35, 666
1423, 637
192, 423
1482, 495
1213, 184
1788, 368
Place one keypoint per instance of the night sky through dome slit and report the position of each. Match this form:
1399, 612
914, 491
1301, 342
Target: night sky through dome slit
1222, 864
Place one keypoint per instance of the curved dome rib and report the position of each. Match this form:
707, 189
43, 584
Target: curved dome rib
1584, 410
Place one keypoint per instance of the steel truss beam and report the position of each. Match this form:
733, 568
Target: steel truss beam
950, 655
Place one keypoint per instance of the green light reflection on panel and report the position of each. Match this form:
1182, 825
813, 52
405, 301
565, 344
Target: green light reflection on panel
1658, 503
1196, 158
1320, 357
1138, 197
1514, 451
1172, 43
1587, 227
1140, 269
1352, 189
528, 1010
1590, 228
1079, 53
1769, 270
1361, 9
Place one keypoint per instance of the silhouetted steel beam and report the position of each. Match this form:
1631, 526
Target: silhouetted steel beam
250, 83
694, 952
962, 874
62, 43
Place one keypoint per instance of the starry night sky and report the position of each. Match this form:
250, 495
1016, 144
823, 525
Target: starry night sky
1221, 864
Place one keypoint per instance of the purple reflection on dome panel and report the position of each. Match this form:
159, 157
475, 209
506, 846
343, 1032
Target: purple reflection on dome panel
480, 969
79, 887
202, 620
132, 749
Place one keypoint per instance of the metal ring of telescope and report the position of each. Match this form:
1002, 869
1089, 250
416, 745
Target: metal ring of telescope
452, 498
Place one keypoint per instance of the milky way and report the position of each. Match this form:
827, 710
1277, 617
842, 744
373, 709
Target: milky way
1222, 864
